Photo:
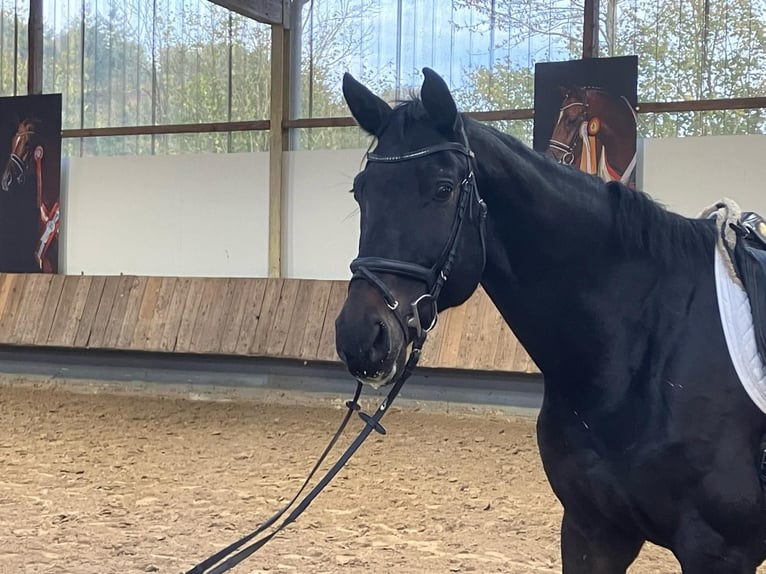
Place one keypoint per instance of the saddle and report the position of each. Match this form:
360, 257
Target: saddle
750, 265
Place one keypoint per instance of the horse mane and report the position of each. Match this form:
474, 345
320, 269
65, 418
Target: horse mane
641, 224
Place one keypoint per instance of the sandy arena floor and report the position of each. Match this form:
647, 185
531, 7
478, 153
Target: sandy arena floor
115, 483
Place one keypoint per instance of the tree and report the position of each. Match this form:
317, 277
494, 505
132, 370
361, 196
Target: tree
687, 50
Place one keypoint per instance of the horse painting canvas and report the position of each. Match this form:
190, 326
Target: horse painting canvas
30, 142
645, 431
596, 132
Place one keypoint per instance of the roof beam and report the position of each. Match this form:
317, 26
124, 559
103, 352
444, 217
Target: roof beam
267, 11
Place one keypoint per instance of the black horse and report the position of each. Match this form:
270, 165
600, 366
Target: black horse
645, 431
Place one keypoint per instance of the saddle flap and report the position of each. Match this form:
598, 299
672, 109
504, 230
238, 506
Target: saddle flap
750, 263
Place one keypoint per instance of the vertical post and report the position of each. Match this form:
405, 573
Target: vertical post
611, 27
278, 142
35, 39
590, 29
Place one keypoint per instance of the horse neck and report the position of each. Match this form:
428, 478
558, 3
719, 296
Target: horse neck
616, 121
553, 267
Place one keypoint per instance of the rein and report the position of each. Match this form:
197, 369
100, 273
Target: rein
213, 564
366, 268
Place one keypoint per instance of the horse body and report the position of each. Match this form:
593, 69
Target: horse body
645, 431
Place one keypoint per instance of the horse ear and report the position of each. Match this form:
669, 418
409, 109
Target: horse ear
370, 111
438, 101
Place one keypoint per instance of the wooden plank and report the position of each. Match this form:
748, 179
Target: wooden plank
132, 309
117, 315
6, 284
490, 321
471, 331
175, 313
523, 363
153, 337
216, 302
320, 296
266, 317
50, 305
326, 350
206, 303
219, 324
69, 310
277, 335
145, 313
89, 310
189, 316
299, 320
31, 308
97, 337
450, 347
505, 349
246, 303
14, 289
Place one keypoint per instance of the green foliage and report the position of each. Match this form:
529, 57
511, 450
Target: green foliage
192, 61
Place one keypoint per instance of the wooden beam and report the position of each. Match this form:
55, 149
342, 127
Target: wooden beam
242, 126
35, 39
703, 105
590, 29
267, 11
753, 103
278, 143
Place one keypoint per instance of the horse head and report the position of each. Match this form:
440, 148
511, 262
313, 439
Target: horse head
22, 144
421, 244
573, 113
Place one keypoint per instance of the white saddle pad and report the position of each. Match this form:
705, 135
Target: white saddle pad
737, 320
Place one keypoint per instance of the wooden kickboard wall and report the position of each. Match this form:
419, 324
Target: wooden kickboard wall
282, 318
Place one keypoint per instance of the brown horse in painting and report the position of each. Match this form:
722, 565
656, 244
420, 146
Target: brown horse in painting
595, 131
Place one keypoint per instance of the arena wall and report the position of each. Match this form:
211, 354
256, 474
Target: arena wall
206, 215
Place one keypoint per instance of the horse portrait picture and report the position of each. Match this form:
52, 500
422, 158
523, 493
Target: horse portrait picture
647, 429
585, 115
30, 215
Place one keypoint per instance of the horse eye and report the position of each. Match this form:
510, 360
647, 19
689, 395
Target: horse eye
443, 191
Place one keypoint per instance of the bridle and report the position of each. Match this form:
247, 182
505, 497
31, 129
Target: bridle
434, 277
20, 162
567, 149
366, 268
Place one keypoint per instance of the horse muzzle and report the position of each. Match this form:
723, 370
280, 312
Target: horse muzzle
368, 338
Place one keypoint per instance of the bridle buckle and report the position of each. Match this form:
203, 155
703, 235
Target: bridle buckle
414, 321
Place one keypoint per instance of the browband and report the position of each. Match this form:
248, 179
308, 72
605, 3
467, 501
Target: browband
418, 153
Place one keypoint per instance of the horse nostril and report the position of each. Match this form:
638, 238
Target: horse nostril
380, 345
